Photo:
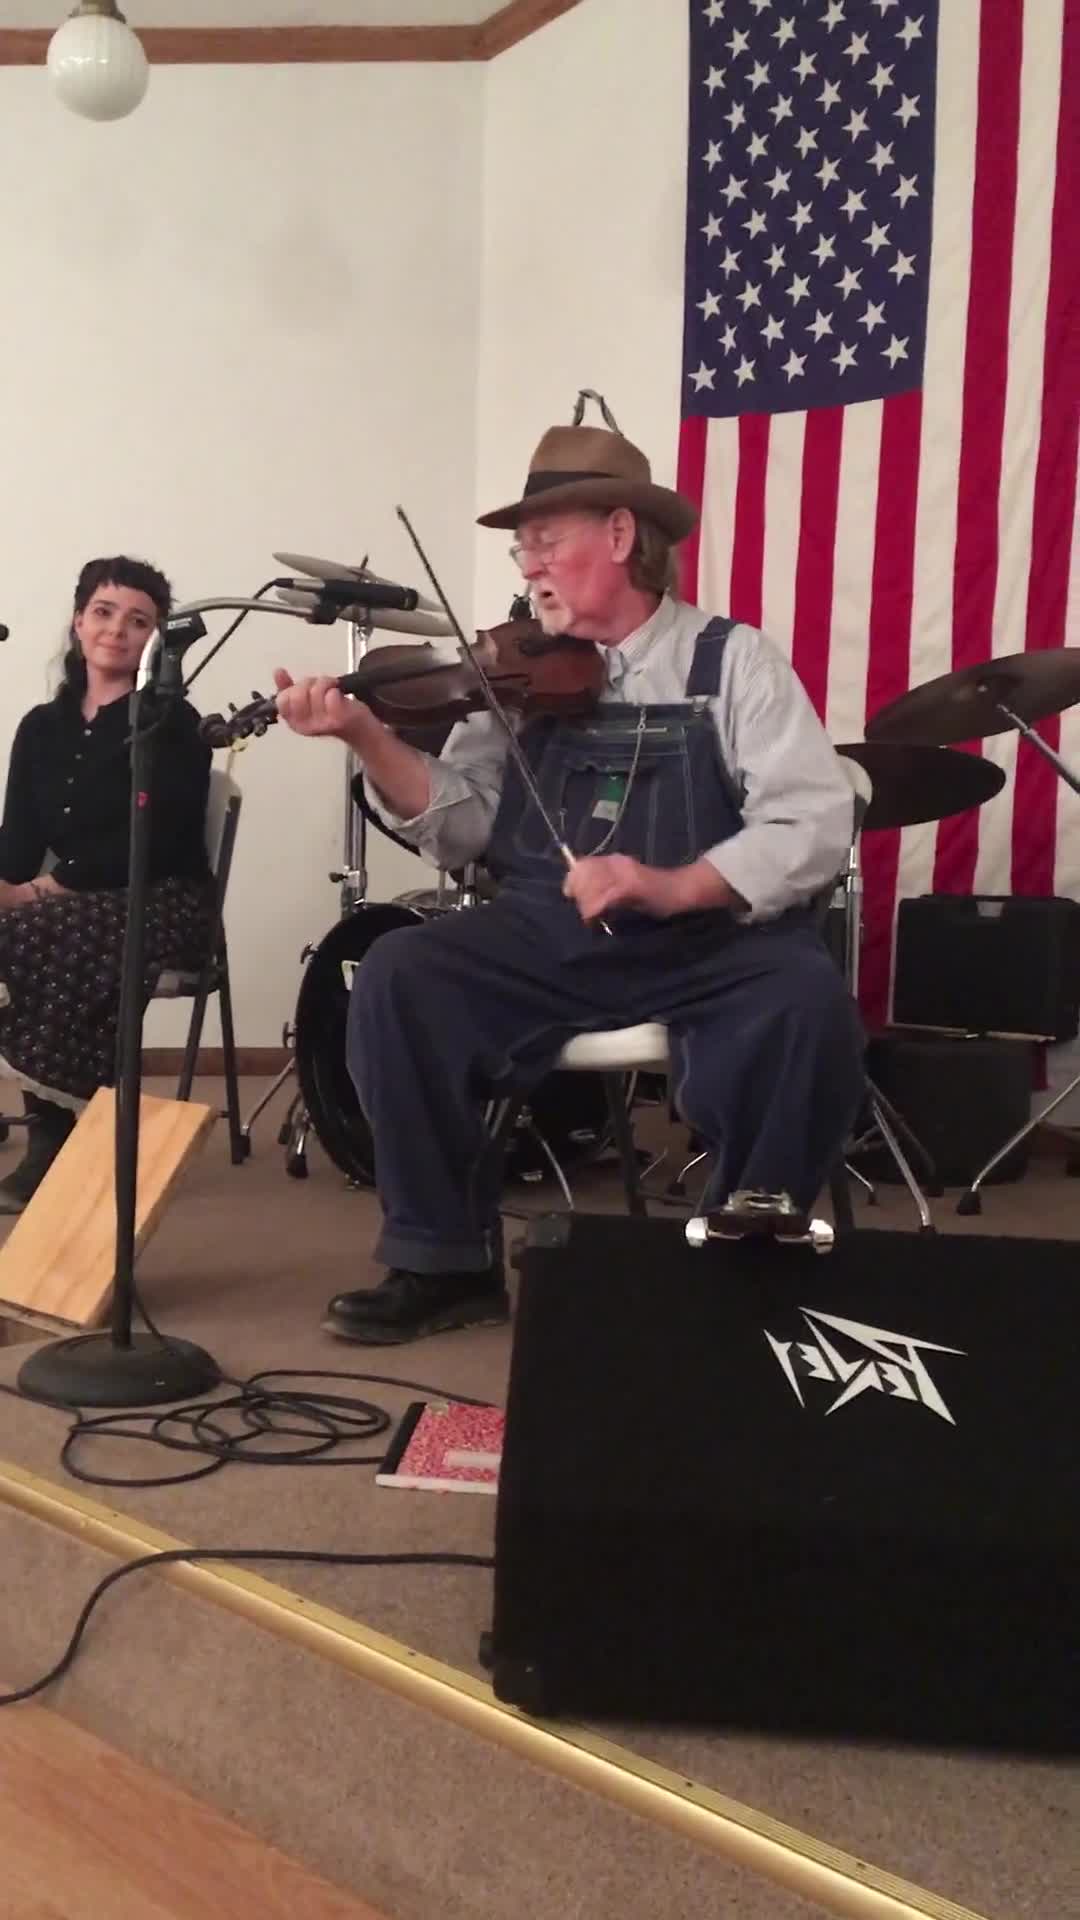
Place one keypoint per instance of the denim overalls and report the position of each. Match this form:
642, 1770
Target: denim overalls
766, 1048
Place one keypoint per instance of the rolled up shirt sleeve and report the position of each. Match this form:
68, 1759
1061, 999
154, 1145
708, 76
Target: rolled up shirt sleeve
466, 781
795, 798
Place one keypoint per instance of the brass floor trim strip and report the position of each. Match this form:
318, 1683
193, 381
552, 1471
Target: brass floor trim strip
836, 1880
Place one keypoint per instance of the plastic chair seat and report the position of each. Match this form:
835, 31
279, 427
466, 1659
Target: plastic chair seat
621, 1050
171, 985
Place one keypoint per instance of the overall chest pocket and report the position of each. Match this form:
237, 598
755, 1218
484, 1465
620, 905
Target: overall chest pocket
612, 789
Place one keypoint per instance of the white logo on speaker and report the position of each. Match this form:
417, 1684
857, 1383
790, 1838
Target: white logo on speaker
886, 1362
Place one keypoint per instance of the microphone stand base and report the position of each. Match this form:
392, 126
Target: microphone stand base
90, 1371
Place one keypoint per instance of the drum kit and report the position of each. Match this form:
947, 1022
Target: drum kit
910, 776
915, 776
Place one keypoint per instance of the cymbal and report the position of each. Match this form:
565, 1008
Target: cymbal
913, 784
961, 705
321, 569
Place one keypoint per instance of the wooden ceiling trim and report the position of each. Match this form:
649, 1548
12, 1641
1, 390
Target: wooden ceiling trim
516, 21
278, 46
267, 46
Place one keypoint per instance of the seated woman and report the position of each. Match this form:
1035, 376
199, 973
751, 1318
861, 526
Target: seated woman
64, 862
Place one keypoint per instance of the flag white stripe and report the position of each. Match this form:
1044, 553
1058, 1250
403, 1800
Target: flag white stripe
783, 506
856, 506
718, 514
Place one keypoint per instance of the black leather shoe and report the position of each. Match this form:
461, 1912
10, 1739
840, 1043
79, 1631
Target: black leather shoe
406, 1306
46, 1135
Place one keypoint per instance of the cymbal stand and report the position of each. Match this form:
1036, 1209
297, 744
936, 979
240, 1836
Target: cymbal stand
887, 1125
970, 1200
351, 879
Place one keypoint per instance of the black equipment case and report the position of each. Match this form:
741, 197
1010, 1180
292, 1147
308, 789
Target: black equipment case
989, 963
756, 1486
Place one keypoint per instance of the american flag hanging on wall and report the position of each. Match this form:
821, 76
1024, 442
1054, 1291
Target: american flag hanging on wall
880, 378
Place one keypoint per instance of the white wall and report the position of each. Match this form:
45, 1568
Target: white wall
245, 318
584, 211
276, 301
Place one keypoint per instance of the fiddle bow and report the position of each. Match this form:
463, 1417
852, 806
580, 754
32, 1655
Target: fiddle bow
494, 704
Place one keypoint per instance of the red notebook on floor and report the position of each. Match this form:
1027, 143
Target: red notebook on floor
444, 1446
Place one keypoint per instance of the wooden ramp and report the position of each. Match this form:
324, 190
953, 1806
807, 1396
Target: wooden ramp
58, 1261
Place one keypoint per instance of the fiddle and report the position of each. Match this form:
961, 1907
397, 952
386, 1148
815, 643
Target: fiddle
413, 685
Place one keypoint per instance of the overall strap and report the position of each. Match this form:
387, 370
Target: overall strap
703, 680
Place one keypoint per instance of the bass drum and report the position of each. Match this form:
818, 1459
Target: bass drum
569, 1110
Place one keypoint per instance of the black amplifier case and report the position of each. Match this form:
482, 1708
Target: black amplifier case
757, 1486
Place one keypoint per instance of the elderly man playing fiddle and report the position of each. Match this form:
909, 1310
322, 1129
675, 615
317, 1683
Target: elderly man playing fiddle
705, 810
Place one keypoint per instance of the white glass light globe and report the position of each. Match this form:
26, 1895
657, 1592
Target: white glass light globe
97, 67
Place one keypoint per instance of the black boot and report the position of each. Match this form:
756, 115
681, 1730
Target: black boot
406, 1306
49, 1127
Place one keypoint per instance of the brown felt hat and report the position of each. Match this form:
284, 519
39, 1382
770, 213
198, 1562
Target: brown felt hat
592, 467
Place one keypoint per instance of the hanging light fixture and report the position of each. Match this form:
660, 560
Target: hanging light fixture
96, 64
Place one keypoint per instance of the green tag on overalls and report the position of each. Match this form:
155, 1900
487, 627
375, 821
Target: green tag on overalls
610, 797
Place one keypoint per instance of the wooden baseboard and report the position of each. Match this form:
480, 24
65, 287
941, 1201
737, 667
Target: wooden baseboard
328, 45
253, 1062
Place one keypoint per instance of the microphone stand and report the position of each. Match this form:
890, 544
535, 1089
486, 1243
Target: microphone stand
121, 1368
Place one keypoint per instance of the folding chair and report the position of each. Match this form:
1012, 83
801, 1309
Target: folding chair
222, 821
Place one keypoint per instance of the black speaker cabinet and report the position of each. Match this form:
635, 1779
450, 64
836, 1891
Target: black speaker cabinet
756, 1486
962, 1096
988, 963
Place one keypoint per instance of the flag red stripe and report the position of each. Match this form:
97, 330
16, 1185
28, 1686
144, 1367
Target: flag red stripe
986, 353
888, 668
1035, 802
748, 550
690, 480
817, 545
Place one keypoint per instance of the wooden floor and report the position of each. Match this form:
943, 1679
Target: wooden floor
85, 1834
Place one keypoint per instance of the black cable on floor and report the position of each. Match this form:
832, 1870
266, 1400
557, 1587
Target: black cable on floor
251, 1555
256, 1425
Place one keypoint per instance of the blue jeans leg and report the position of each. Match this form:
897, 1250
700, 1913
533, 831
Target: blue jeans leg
770, 1070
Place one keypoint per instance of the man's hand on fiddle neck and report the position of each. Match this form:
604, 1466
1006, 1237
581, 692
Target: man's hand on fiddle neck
317, 708
598, 883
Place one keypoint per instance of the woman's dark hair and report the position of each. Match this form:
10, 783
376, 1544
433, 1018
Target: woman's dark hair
117, 572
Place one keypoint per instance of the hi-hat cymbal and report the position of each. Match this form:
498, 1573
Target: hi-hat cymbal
915, 784
321, 569
963, 705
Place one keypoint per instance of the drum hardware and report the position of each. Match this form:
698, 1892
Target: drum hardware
1006, 694
351, 879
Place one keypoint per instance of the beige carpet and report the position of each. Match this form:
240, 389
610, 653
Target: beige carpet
244, 1262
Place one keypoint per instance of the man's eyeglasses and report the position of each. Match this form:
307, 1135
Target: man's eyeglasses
539, 549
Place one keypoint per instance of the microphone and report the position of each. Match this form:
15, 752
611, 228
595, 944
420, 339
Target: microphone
316, 572
4, 631
182, 630
333, 595
305, 597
